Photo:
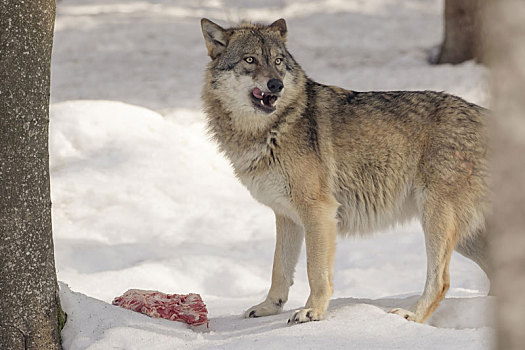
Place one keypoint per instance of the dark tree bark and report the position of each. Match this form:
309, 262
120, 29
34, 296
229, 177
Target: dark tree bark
462, 32
506, 56
29, 304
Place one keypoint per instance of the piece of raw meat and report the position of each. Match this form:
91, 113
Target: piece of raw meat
175, 307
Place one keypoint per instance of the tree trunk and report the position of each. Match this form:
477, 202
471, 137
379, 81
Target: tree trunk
462, 32
29, 304
506, 56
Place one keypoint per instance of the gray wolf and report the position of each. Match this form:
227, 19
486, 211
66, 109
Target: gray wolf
333, 161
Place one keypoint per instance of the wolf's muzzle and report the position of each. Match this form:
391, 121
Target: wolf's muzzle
275, 85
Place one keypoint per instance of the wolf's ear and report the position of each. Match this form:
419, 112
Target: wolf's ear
280, 25
215, 37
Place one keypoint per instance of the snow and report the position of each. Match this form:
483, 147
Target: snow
142, 199
350, 324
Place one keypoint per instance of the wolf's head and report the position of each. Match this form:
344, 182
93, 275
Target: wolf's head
251, 72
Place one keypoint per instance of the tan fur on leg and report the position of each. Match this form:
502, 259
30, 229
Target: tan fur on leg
440, 240
320, 226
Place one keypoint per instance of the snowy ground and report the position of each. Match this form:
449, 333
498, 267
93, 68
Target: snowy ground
142, 199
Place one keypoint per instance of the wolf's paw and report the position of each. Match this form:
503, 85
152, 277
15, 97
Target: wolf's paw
408, 315
304, 315
266, 308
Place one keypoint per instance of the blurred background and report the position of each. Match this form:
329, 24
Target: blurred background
151, 53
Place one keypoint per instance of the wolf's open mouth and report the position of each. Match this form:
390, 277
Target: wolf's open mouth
265, 102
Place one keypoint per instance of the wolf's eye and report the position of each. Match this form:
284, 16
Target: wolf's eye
278, 61
250, 60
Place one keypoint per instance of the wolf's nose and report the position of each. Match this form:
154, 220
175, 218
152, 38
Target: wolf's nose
275, 85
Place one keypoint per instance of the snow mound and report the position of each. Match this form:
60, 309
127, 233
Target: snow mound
145, 201
350, 324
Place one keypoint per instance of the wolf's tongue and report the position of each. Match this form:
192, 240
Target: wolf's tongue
257, 93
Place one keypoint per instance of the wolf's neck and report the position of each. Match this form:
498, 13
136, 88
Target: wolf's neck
229, 132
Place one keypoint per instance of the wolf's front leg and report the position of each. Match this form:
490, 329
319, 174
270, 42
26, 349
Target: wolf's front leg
320, 225
290, 238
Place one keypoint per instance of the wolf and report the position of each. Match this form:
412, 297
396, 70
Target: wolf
333, 161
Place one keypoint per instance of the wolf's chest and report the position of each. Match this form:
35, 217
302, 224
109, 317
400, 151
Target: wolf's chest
256, 168
268, 188
271, 189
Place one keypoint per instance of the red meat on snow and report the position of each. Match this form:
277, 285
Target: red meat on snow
175, 307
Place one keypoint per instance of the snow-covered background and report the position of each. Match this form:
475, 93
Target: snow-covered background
142, 199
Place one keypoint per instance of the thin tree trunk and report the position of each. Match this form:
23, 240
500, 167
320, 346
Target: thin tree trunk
29, 304
506, 55
462, 32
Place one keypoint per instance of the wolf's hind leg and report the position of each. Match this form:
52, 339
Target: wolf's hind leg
290, 237
475, 248
439, 226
